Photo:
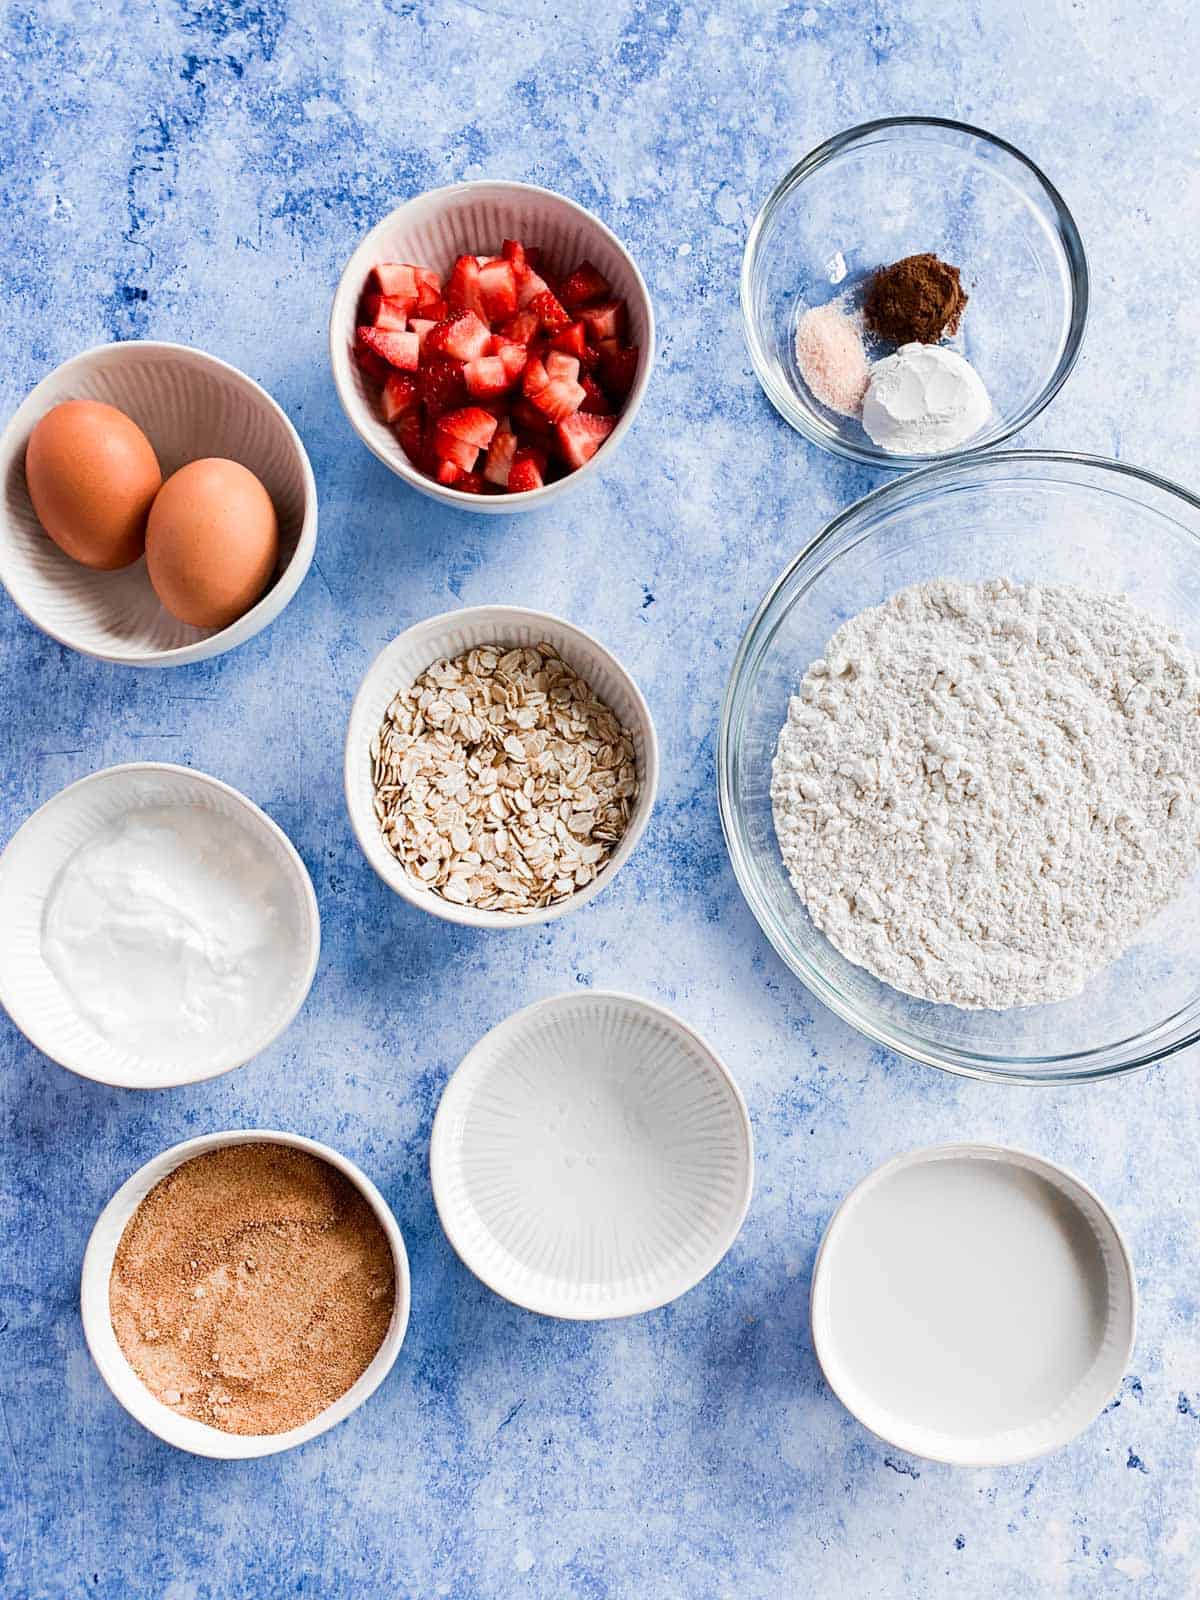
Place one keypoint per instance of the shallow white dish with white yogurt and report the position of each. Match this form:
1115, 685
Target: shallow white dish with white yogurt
159, 929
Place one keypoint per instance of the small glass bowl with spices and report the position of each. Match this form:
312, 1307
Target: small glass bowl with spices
914, 290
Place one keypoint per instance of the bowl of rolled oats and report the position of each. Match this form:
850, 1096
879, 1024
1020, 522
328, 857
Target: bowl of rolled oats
501, 766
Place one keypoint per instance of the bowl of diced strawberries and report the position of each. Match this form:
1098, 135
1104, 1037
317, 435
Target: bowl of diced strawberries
491, 343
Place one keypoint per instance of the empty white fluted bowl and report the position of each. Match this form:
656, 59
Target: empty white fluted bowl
189, 405
592, 1157
431, 230
189, 1433
29, 867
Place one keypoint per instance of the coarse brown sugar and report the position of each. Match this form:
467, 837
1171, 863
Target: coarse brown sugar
252, 1287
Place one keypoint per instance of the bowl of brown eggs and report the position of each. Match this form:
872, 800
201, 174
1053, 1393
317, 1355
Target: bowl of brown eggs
159, 507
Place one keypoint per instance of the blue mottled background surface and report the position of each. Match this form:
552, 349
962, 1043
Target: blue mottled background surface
195, 171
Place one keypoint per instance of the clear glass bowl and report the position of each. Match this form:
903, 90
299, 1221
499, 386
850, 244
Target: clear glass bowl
1035, 517
895, 188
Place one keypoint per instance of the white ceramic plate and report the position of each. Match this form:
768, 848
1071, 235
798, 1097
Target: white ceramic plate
189, 405
468, 219
41, 847
973, 1304
452, 634
591, 1157
187, 1433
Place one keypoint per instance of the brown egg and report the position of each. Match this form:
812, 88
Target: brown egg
212, 542
92, 475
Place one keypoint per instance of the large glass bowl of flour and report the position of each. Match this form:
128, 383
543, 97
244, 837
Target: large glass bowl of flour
1037, 518
902, 186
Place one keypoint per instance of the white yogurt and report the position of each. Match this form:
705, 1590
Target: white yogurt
923, 400
168, 931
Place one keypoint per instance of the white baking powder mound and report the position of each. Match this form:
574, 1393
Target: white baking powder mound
924, 399
983, 790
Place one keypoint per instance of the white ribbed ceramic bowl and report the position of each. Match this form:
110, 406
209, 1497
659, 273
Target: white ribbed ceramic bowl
974, 1304
29, 866
470, 219
189, 405
186, 1433
451, 634
591, 1157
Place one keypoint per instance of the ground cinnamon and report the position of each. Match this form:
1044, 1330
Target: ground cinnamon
252, 1287
918, 299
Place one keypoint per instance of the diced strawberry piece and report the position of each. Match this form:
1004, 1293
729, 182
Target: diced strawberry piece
471, 423
448, 472
524, 474
618, 369
595, 400
500, 455
406, 351
560, 398
486, 377
402, 350
550, 313
585, 285
447, 447
498, 290
513, 250
470, 483
605, 321
529, 286
411, 435
433, 311
528, 419
571, 339
421, 326
461, 335
371, 362
521, 328
536, 377
400, 394
555, 398
391, 313
443, 387
395, 278
561, 365
580, 436
462, 290
429, 293
513, 355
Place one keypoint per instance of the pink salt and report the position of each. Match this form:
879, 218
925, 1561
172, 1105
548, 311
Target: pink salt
832, 360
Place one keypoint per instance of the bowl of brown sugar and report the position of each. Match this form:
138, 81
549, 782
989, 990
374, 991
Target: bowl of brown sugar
245, 1291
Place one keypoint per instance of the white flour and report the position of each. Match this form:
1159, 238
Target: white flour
982, 791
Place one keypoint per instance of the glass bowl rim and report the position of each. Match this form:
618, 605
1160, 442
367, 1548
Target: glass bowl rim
1129, 1054
781, 395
